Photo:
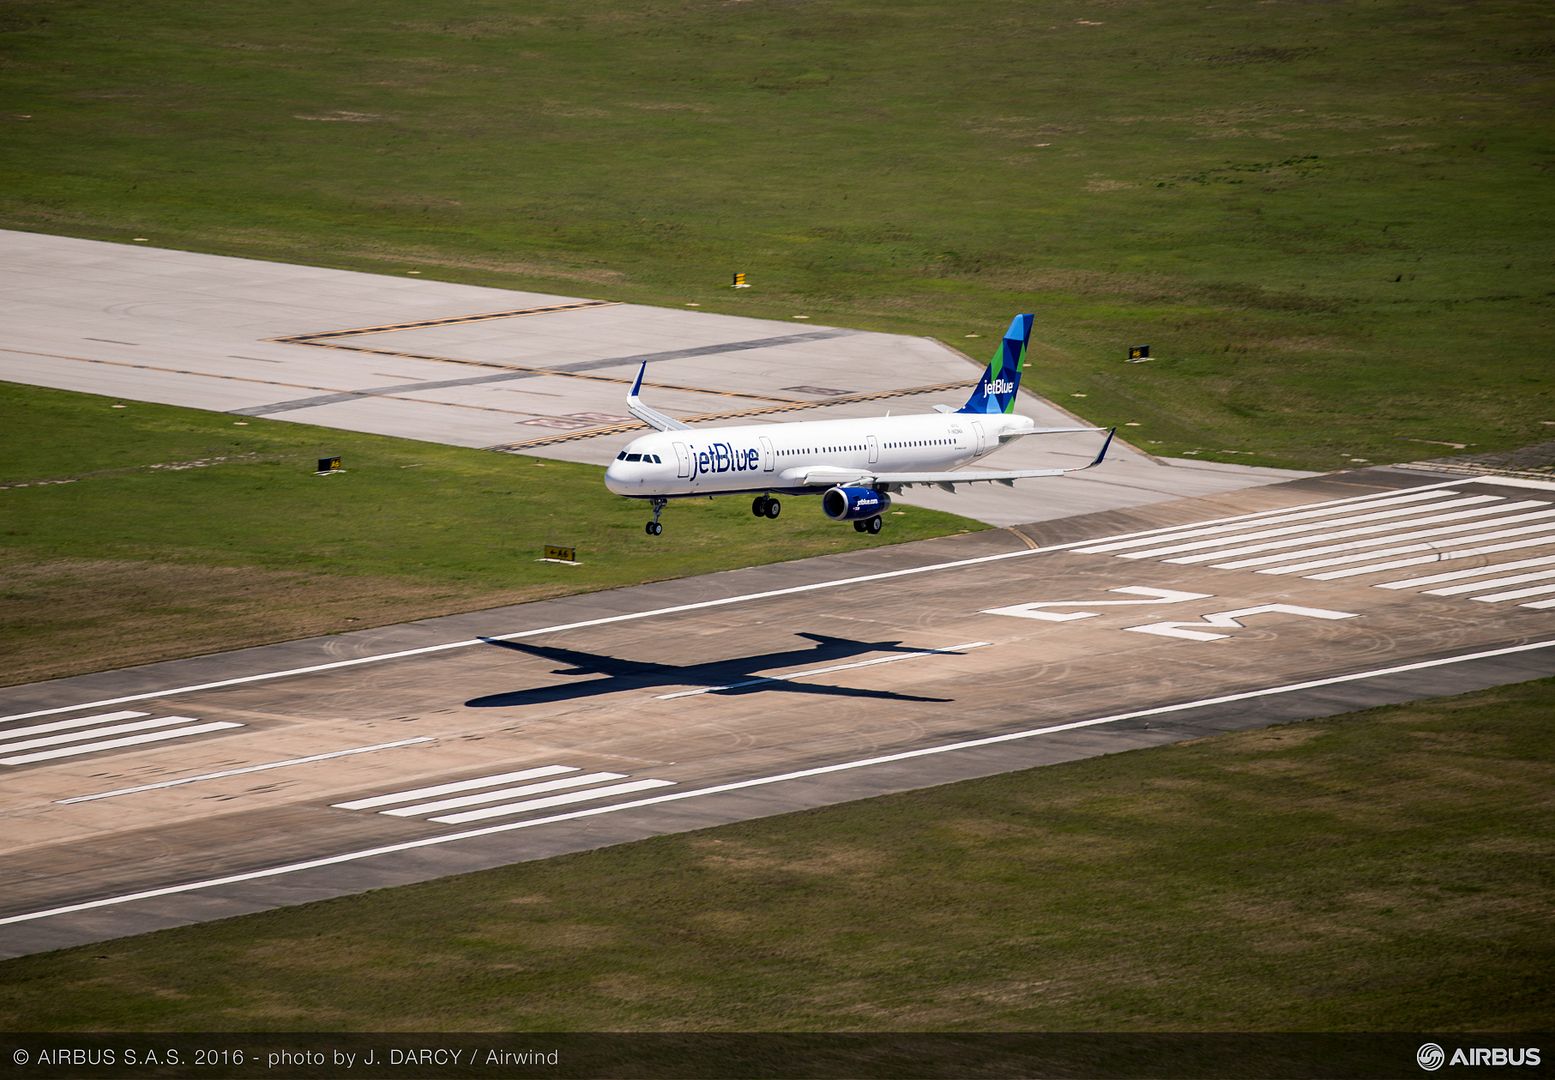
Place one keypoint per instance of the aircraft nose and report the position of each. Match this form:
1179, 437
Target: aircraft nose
615, 482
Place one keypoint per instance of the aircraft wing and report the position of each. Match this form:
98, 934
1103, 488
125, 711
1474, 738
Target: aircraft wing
828, 476
1009, 436
648, 415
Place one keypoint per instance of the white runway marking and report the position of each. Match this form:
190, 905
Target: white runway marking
1459, 575
1345, 506
114, 744
1516, 594
1493, 583
738, 785
1375, 535
1497, 533
93, 733
581, 780
223, 774
1439, 556
65, 725
703, 605
554, 800
948, 651
1296, 535
458, 785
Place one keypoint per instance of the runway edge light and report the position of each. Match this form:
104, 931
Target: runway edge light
328, 465
739, 282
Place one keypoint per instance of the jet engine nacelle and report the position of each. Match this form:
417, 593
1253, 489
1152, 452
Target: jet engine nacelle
854, 503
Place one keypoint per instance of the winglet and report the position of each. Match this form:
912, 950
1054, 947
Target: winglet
650, 416
1102, 454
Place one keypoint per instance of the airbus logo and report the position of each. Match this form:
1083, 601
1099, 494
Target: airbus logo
998, 386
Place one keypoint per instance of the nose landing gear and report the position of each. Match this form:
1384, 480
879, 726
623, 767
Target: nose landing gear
653, 528
766, 506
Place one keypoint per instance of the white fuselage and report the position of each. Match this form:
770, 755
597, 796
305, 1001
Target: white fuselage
775, 457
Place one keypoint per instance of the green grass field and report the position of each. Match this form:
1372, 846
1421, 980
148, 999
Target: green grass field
1391, 870
1333, 222
178, 529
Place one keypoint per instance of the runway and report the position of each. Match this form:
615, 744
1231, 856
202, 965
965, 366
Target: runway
197, 789
518, 372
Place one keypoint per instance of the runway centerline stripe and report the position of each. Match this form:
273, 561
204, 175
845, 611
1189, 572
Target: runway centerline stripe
422, 809
265, 767
93, 733
1466, 520
114, 744
458, 785
1336, 523
947, 651
1341, 506
1459, 575
555, 800
64, 725
739, 785
702, 605
1493, 583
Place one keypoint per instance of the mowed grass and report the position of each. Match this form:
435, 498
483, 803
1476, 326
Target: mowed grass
1332, 221
1390, 870
133, 532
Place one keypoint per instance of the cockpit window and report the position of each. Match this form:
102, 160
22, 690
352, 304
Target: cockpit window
621, 456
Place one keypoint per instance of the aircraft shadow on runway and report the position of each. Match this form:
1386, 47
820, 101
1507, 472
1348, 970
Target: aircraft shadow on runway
741, 675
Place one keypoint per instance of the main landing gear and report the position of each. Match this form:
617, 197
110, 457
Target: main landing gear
872, 526
766, 506
653, 528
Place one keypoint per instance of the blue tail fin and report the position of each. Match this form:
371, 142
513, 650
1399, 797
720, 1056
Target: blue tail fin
995, 391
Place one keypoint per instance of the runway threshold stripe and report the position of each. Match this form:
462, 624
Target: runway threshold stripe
1388, 518
740, 785
1373, 535
65, 725
1459, 575
1439, 556
1454, 531
702, 605
114, 744
948, 650
1516, 594
449, 789
93, 733
1270, 517
265, 767
1492, 583
422, 809
555, 800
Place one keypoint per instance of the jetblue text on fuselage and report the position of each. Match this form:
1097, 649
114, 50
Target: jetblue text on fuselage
723, 458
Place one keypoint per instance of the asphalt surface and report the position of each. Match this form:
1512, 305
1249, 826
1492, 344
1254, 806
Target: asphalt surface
191, 790
523, 372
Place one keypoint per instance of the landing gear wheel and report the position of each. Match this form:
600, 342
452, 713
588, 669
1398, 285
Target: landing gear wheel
858, 526
773, 507
653, 528
759, 506
874, 525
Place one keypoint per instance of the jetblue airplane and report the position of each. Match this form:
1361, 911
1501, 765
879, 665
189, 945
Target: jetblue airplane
855, 465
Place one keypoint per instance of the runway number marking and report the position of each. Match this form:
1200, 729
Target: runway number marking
1151, 596
1231, 620
1200, 629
